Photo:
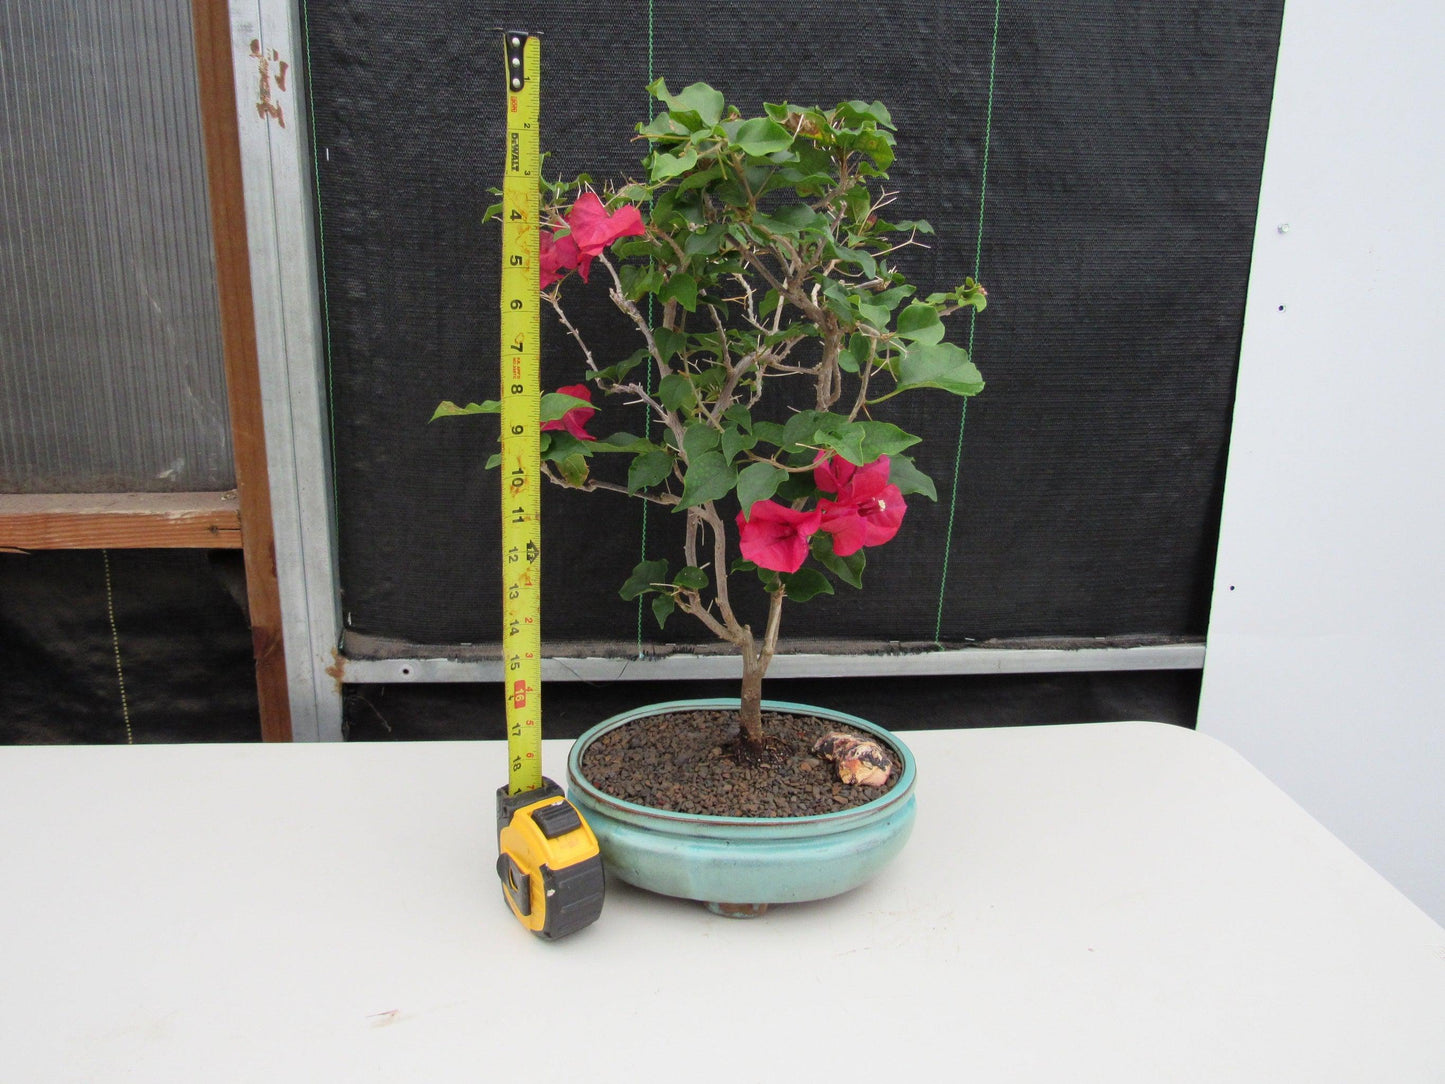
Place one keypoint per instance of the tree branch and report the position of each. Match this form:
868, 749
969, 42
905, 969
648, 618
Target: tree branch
720, 563
594, 484
555, 302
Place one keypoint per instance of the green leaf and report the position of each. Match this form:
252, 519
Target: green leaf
797, 215
620, 370
909, 479
884, 438
623, 442
876, 315
449, 409
970, 294
770, 432
862, 258
662, 607
735, 441
858, 113
668, 342
847, 442
758, 482
701, 179
891, 298
761, 136
664, 166
848, 569
857, 355
646, 576
801, 428
708, 478
699, 97
788, 220
732, 193
648, 469
555, 404
698, 439
711, 378
691, 578
557, 445
742, 564
574, 469
798, 485
739, 415
663, 126
920, 323
863, 442
493, 210
675, 392
940, 365
705, 242
845, 302
682, 288
805, 583
877, 146
915, 224
637, 281
493, 461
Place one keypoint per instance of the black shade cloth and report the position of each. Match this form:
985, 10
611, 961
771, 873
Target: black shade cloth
1123, 157
170, 630
185, 655
453, 712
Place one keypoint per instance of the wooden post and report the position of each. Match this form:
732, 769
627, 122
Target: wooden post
220, 130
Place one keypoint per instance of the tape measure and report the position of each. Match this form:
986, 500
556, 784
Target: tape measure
549, 864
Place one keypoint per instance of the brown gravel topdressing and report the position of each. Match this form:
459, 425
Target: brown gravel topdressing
681, 762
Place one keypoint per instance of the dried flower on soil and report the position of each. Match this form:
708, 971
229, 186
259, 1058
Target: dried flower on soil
858, 760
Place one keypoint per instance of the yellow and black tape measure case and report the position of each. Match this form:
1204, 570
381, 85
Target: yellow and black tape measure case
549, 865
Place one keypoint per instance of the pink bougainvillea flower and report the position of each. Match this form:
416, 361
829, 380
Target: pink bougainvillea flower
869, 522
868, 510
593, 229
557, 256
831, 472
574, 420
835, 474
775, 537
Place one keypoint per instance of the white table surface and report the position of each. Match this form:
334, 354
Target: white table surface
1116, 902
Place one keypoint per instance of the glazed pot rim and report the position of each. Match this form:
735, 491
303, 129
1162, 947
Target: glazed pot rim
840, 819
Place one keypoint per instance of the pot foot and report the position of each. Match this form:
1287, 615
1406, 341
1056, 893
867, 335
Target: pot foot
738, 910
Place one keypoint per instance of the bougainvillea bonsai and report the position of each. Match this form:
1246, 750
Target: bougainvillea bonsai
756, 265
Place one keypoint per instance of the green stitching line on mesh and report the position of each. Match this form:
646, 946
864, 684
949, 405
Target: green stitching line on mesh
972, 315
647, 377
115, 645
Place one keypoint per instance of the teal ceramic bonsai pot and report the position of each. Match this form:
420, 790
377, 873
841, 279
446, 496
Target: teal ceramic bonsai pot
740, 865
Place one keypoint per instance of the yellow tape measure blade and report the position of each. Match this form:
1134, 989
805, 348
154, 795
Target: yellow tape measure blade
521, 396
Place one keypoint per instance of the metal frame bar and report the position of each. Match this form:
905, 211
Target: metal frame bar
687, 667
281, 233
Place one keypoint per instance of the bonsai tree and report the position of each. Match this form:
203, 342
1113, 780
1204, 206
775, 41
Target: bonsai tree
757, 268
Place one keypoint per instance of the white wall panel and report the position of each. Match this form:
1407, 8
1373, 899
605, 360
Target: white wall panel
1325, 649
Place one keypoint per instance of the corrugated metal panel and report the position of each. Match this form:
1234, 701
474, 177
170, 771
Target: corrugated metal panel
111, 373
